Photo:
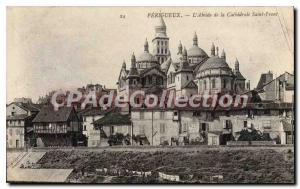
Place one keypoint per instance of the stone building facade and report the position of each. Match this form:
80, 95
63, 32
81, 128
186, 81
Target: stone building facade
186, 72
19, 116
187, 126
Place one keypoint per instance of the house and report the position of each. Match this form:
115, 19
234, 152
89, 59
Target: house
114, 122
154, 126
57, 127
19, 131
212, 126
280, 89
88, 117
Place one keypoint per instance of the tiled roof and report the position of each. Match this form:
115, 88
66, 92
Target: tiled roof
93, 112
17, 117
114, 118
48, 114
28, 106
190, 84
239, 76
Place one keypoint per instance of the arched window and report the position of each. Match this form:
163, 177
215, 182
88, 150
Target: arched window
204, 83
157, 50
213, 83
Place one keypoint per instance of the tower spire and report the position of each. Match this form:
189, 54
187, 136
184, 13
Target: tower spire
146, 46
184, 54
223, 55
124, 64
195, 40
213, 49
237, 65
133, 61
161, 28
179, 48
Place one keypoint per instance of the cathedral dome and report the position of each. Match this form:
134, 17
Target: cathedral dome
214, 63
196, 51
146, 57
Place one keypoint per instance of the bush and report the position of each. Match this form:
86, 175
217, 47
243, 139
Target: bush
118, 139
253, 135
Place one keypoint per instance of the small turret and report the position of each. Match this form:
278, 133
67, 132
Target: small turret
213, 50
133, 72
133, 61
223, 55
184, 55
195, 40
237, 65
179, 48
124, 64
146, 46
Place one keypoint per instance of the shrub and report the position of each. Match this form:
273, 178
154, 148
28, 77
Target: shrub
118, 139
253, 135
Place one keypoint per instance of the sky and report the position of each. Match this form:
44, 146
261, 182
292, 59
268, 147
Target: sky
52, 48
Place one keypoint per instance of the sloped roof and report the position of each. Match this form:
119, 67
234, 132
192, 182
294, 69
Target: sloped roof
143, 72
239, 76
28, 106
264, 79
17, 117
289, 86
48, 114
113, 118
166, 64
93, 112
133, 72
190, 84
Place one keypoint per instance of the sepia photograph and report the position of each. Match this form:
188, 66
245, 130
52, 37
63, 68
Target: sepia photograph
150, 95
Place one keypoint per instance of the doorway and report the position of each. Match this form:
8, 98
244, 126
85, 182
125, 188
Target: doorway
17, 143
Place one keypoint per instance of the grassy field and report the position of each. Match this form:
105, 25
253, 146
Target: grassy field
196, 165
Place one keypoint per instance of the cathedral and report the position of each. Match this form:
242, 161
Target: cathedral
186, 72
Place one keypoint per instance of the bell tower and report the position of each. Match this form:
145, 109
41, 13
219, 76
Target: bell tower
161, 42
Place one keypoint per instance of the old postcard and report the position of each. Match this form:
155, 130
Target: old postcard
150, 95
